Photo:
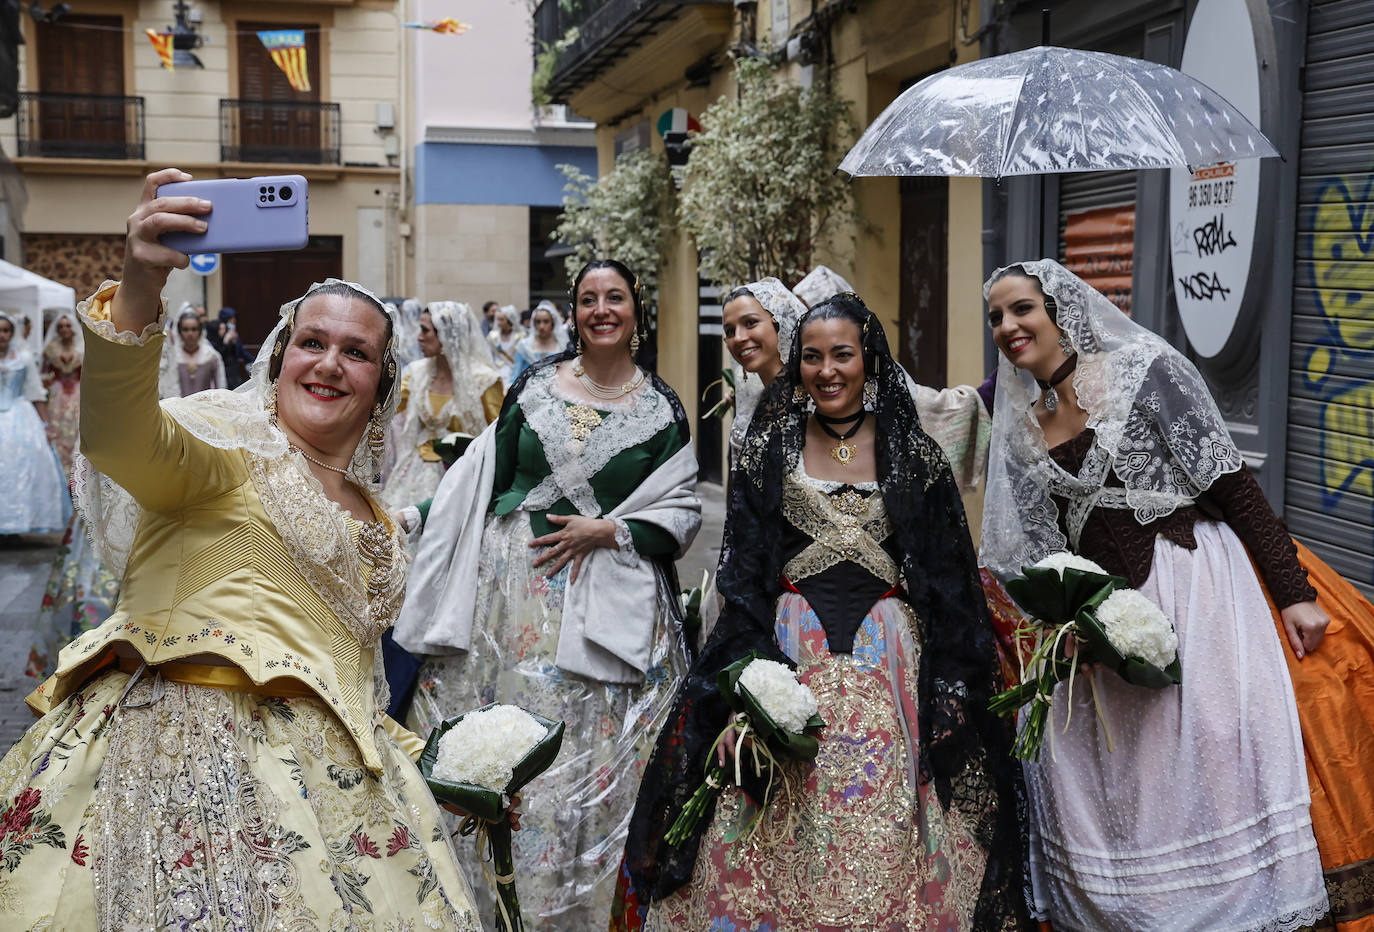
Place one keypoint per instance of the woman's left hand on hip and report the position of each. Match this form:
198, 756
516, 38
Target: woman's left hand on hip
578, 537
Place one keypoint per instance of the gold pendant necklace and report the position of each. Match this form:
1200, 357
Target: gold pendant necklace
843, 452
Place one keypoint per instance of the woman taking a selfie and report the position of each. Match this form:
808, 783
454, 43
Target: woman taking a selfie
213, 754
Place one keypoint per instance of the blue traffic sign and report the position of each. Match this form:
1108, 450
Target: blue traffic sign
204, 263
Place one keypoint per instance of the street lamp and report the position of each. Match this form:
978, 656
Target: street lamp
185, 38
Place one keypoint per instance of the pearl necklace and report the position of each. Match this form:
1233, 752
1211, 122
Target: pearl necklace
342, 472
606, 392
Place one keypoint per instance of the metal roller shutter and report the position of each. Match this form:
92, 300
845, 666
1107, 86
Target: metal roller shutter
1097, 230
1330, 474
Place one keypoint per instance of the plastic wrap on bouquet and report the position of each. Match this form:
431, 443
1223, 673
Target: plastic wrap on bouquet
489, 806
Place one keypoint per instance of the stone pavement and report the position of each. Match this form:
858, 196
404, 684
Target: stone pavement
24, 566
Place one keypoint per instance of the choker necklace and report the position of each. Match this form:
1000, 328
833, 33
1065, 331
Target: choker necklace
843, 453
342, 472
606, 392
1051, 397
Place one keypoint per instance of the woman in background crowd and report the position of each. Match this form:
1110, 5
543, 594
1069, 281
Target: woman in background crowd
550, 337
452, 388
36, 500
61, 373
191, 365
758, 321
504, 334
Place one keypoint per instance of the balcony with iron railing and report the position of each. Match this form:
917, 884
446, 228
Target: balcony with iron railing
610, 30
279, 131
81, 126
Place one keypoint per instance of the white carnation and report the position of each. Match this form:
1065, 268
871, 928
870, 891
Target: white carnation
1137, 628
1063, 560
484, 747
775, 686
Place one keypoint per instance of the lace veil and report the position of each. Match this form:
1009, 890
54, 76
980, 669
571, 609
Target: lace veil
469, 359
229, 420
1155, 423
78, 338
786, 309
560, 329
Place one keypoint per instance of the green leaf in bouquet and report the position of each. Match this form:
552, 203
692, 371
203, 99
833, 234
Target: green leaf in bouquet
1096, 647
739, 699
1042, 593
481, 801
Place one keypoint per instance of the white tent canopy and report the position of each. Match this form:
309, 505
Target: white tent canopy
27, 295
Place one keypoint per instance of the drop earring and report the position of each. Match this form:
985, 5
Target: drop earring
1065, 343
271, 405
376, 436
870, 394
634, 344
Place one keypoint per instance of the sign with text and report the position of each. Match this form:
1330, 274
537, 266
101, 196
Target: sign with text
1212, 209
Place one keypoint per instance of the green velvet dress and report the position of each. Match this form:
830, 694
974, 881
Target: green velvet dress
553, 456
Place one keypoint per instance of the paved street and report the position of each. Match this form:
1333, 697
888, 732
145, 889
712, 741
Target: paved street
26, 561
24, 566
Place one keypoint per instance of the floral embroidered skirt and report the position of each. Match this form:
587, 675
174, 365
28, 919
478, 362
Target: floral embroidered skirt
574, 817
186, 807
853, 841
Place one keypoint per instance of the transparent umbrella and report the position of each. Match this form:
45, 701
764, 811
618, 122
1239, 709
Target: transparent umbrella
1048, 110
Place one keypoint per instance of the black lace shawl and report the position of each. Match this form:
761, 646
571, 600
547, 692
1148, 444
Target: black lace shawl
964, 749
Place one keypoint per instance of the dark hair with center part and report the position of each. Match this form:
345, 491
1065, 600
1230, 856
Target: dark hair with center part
620, 269
1016, 271
844, 306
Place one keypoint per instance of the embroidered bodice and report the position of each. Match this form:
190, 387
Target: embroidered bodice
18, 380
839, 551
558, 455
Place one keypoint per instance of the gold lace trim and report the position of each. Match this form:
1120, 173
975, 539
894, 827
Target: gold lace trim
846, 527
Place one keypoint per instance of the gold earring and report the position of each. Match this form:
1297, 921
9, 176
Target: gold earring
634, 344
376, 436
271, 405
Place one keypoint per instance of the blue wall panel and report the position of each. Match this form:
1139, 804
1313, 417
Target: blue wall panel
467, 173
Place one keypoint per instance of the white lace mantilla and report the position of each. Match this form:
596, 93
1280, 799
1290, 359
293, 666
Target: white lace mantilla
573, 462
1156, 428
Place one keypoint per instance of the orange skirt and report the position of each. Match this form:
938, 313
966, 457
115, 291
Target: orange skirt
1335, 691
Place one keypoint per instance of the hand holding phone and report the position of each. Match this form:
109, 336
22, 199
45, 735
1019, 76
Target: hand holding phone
147, 261
268, 213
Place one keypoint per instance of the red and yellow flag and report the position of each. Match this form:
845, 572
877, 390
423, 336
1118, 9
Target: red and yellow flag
447, 26
287, 48
162, 42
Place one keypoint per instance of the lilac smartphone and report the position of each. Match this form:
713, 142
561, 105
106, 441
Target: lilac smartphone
247, 214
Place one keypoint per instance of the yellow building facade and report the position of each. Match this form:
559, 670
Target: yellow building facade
916, 256
98, 110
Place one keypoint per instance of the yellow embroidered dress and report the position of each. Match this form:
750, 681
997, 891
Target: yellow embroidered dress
212, 756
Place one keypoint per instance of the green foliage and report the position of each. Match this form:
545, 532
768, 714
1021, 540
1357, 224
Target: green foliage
545, 64
760, 195
623, 215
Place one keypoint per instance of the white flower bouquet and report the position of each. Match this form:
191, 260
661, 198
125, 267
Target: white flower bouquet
477, 762
777, 712
1110, 624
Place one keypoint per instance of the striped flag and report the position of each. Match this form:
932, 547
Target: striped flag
447, 26
287, 48
162, 42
